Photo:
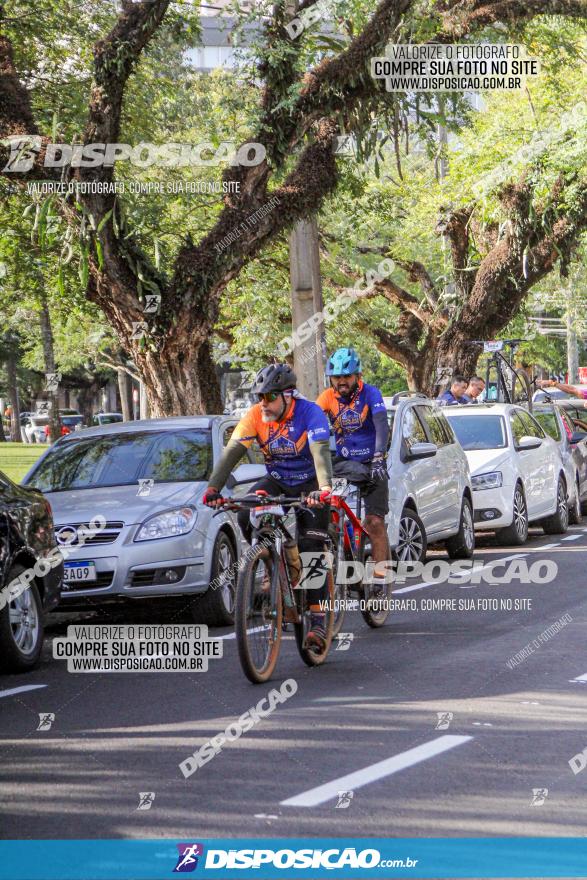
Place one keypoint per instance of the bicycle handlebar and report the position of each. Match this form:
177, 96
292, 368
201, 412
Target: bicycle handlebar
505, 341
250, 501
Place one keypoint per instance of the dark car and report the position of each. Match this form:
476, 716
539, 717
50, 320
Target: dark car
27, 539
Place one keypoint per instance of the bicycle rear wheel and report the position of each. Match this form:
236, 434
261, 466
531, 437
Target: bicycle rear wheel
340, 589
309, 656
257, 618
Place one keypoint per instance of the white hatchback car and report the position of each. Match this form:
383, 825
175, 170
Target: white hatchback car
430, 493
516, 470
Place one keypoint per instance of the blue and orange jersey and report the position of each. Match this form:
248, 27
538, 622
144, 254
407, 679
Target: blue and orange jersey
286, 445
352, 420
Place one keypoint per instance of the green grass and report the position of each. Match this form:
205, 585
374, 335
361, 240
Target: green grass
17, 458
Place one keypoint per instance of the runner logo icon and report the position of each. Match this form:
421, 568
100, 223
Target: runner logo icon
188, 857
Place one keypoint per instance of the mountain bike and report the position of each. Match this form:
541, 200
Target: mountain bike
352, 544
265, 594
505, 383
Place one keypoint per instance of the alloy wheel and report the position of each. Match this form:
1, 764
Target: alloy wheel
520, 518
411, 542
24, 622
227, 575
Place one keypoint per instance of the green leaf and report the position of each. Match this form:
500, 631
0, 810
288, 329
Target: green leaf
104, 220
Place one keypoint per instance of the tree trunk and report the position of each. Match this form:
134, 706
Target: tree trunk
180, 383
85, 399
13, 393
49, 358
125, 391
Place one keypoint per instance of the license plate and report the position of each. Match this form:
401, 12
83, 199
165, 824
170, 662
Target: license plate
74, 572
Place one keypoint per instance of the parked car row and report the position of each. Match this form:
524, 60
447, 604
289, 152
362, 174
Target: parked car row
35, 428
454, 471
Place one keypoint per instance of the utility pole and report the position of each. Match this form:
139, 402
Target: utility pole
309, 356
306, 301
572, 345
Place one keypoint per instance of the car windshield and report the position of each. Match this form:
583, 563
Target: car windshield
549, 422
124, 459
479, 432
109, 420
71, 420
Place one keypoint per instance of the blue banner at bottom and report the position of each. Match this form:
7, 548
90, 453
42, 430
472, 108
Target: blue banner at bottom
271, 858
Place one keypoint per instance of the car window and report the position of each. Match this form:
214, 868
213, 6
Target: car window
227, 434
437, 425
123, 459
568, 425
518, 427
479, 431
412, 429
549, 422
533, 429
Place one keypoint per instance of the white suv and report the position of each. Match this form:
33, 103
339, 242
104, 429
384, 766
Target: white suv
517, 472
430, 493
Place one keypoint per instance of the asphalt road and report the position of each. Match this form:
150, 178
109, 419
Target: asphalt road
513, 728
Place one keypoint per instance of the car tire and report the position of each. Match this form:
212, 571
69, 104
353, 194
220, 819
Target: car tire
517, 532
216, 606
462, 545
21, 640
412, 544
576, 511
558, 522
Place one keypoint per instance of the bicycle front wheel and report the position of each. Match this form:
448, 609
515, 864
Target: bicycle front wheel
258, 616
308, 655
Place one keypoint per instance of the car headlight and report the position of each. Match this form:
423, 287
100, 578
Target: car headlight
170, 524
492, 480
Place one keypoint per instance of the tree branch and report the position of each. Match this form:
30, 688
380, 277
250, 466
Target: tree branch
455, 226
460, 17
416, 272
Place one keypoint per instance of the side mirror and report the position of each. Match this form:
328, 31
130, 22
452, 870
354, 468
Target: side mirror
577, 436
245, 473
421, 450
529, 442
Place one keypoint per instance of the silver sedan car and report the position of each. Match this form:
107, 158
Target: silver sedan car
146, 479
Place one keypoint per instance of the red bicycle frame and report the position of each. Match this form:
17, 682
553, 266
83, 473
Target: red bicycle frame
337, 505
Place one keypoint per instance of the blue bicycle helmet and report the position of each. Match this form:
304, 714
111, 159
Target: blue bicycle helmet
344, 362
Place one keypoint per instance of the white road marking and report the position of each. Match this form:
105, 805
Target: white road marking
21, 690
232, 635
581, 678
546, 547
315, 796
571, 538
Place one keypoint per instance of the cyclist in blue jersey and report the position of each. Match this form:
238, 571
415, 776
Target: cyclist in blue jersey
358, 417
